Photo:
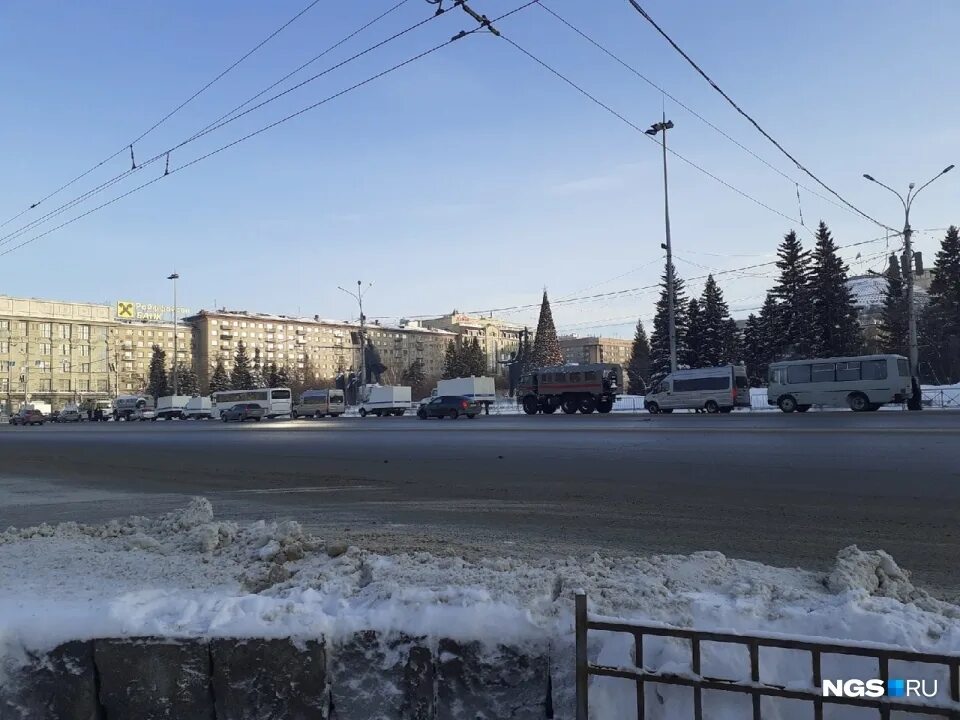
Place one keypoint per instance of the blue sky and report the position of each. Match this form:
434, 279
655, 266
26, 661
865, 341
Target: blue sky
472, 178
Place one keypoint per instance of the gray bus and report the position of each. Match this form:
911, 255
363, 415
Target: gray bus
862, 382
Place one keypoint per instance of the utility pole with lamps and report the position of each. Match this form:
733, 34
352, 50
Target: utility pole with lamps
914, 403
661, 129
174, 277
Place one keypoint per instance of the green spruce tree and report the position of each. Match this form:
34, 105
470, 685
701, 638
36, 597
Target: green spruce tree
272, 375
793, 295
256, 370
716, 331
732, 343
940, 328
219, 380
546, 346
638, 369
283, 377
453, 360
475, 359
660, 337
241, 377
695, 335
187, 382
835, 325
893, 318
157, 386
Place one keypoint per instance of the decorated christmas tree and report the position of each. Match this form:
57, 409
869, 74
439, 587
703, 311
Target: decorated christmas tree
546, 347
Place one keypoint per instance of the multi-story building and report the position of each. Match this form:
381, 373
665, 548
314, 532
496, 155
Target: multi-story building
132, 346
329, 346
498, 338
595, 349
53, 351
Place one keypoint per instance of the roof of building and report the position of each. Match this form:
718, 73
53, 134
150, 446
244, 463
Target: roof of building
315, 320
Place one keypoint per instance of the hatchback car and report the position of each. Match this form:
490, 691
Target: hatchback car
66, 416
451, 406
243, 411
28, 417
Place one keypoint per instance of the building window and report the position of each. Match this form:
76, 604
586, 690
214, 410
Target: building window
63, 386
64, 332
45, 385
83, 386
84, 351
84, 331
4, 384
44, 348
4, 346
42, 365
101, 386
65, 366
46, 330
85, 368
5, 325
64, 349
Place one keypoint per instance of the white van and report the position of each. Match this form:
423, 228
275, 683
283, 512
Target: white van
714, 389
318, 403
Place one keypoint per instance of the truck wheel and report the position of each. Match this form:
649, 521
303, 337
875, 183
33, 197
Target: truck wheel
711, 407
363, 412
548, 408
530, 405
588, 405
802, 408
653, 408
570, 405
605, 406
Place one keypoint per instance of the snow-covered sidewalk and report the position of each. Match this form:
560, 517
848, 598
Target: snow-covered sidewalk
187, 574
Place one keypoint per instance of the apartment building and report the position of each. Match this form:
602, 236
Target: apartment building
498, 338
132, 346
595, 349
330, 346
53, 351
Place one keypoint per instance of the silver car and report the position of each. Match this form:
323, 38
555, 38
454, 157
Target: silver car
243, 411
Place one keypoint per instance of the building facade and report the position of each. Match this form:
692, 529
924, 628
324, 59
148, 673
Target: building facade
498, 338
53, 351
330, 347
595, 349
132, 346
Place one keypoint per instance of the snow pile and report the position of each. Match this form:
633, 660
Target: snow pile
188, 574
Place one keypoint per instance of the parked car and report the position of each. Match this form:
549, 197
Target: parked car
243, 411
68, 415
27, 417
143, 414
451, 406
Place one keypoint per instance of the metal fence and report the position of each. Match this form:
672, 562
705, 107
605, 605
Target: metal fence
754, 687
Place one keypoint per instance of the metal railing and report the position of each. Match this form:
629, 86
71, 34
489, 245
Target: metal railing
755, 688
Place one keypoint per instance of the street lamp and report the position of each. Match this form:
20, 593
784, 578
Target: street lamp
174, 277
661, 129
358, 296
915, 396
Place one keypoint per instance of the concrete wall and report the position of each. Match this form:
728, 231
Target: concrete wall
367, 678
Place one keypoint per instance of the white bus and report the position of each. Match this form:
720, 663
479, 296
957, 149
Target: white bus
274, 401
713, 389
862, 383
318, 403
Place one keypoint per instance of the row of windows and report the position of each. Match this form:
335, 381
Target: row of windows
832, 372
573, 377
46, 330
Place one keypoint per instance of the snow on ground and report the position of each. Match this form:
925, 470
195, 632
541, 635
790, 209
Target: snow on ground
188, 574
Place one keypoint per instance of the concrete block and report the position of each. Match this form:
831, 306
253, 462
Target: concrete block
273, 679
474, 683
58, 685
154, 679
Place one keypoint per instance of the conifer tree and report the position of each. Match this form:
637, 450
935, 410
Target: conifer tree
732, 345
694, 337
187, 381
638, 369
893, 318
660, 337
474, 359
835, 325
219, 380
272, 374
256, 370
157, 386
715, 334
546, 346
283, 377
240, 377
793, 295
940, 336
452, 360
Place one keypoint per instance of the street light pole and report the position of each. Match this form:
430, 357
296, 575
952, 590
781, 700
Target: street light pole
661, 129
358, 296
914, 403
174, 277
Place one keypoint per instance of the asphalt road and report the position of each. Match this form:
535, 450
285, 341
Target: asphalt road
781, 489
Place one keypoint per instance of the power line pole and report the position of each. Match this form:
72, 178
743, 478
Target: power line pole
174, 277
915, 401
661, 129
